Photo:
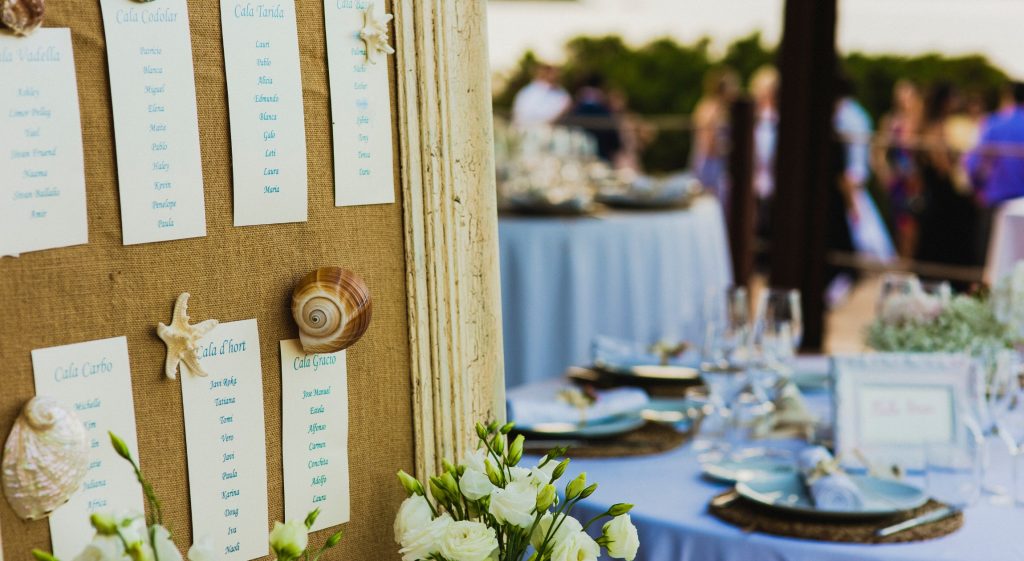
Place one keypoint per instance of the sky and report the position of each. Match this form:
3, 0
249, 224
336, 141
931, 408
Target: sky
990, 27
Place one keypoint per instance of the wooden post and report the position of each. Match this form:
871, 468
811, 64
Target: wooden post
804, 178
742, 203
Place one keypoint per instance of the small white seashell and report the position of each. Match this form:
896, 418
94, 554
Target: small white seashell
45, 459
332, 308
22, 16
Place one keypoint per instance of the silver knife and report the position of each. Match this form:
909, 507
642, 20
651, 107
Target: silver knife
926, 518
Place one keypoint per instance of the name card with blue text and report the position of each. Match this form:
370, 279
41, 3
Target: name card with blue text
43, 188
225, 439
94, 380
360, 107
156, 127
268, 133
314, 396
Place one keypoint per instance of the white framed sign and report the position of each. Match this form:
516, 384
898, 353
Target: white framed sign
900, 399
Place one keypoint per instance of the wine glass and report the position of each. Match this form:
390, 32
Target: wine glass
777, 334
724, 355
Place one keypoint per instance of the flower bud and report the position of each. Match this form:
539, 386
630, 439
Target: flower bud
499, 445
411, 484
575, 487
139, 552
437, 491
120, 447
448, 481
41, 555
460, 470
481, 431
588, 491
448, 466
618, 509
332, 541
492, 473
507, 427
311, 518
559, 469
515, 450
492, 426
105, 524
545, 498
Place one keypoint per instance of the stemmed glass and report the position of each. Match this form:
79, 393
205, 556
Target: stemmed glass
724, 356
778, 329
999, 397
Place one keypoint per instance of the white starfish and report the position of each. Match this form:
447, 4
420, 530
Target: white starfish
182, 339
375, 34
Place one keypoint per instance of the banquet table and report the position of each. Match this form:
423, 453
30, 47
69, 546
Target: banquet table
670, 514
1006, 242
638, 275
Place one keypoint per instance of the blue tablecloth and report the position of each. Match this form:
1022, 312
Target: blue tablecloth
671, 516
635, 275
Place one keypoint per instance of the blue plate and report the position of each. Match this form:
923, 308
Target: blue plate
601, 429
787, 493
749, 464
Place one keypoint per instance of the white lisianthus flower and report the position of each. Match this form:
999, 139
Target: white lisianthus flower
466, 540
289, 540
623, 540
475, 485
102, 548
203, 550
577, 546
414, 513
566, 528
164, 545
475, 460
514, 504
420, 543
519, 473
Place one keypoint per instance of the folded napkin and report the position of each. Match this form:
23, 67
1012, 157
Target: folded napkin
830, 488
791, 417
561, 407
609, 352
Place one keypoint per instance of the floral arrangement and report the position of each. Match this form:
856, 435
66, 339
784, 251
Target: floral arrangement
138, 538
490, 508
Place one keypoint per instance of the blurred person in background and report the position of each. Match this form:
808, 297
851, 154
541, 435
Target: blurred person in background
996, 165
592, 112
894, 163
633, 132
949, 219
541, 102
710, 144
764, 88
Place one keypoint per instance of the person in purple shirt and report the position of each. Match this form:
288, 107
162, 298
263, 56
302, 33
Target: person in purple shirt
996, 165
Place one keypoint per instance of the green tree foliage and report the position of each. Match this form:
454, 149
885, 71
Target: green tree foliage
664, 77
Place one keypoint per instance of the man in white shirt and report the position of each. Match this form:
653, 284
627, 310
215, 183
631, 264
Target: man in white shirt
542, 101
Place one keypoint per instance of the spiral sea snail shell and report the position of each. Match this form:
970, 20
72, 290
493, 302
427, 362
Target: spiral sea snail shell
22, 16
332, 308
45, 459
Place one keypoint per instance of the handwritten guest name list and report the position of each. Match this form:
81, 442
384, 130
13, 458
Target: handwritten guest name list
152, 86
314, 395
224, 435
268, 134
94, 380
42, 194
360, 107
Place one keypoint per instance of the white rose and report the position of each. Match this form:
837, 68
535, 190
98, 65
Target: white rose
475, 485
420, 543
623, 540
566, 528
414, 513
164, 545
475, 460
577, 546
468, 541
289, 540
203, 550
514, 504
102, 548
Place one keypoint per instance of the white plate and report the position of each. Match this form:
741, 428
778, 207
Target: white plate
787, 493
749, 464
603, 429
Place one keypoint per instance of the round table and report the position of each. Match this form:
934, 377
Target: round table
637, 275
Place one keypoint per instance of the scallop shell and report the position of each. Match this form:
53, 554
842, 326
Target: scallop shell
22, 16
332, 308
45, 459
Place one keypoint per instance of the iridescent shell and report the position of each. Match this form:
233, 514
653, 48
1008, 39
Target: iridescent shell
332, 308
45, 459
22, 16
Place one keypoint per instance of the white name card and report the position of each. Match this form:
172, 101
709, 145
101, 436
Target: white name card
314, 395
156, 127
360, 107
268, 133
94, 380
225, 438
43, 185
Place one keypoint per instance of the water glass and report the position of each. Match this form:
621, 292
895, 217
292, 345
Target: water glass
953, 473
